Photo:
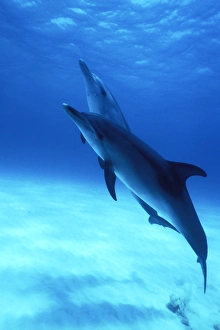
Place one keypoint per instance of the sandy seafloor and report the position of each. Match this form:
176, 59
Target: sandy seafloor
72, 258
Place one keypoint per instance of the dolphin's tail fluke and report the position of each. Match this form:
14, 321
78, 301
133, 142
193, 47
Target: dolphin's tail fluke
204, 270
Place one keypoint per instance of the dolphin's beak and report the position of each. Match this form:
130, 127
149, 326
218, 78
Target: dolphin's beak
78, 117
87, 74
73, 113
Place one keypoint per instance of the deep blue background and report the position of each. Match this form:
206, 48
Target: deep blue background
160, 60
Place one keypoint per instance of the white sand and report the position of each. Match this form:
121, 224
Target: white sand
72, 258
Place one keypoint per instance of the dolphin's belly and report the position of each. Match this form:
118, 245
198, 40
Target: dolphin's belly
139, 176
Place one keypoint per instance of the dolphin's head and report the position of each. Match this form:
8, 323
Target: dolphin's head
88, 128
96, 91
100, 99
91, 124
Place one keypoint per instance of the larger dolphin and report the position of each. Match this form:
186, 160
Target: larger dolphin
99, 98
155, 181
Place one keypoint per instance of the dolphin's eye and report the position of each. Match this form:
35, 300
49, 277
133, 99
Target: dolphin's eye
100, 136
103, 92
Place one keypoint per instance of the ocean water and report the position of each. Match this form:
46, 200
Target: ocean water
71, 257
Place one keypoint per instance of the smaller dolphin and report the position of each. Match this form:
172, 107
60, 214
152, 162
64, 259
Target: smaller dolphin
100, 99
158, 183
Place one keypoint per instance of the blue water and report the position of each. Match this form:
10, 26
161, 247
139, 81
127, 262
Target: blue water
160, 59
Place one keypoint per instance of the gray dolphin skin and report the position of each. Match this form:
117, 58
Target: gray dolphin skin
99, 98
156, 183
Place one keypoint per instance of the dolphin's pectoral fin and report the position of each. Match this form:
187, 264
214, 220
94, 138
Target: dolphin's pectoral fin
110, 178
184, 170
101, 162
204, 270
83, 138
154, 217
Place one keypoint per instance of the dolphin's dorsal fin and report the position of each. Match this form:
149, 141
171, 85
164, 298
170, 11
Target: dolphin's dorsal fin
184, 170
110, 178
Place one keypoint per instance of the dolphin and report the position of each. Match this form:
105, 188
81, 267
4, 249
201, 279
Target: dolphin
159, 183
99, 98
